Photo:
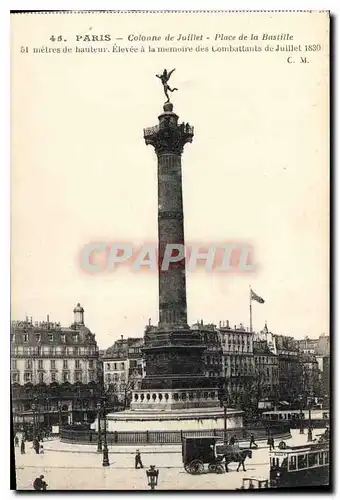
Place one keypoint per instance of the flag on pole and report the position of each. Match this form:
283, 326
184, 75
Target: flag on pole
256, 297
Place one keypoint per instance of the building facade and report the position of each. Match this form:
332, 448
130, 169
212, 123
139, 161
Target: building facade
238, 367
123, 369
55, 370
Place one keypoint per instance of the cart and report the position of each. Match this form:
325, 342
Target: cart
198, 452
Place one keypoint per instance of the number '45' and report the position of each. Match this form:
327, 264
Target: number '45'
59, 38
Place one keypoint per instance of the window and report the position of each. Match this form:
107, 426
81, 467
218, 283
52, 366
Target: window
14, 364
65, 364
108, 366
76, 338
50, 337
321, 458
302, 461
292, 463
76, 351
15, 378
40, 364
115, 366
37, 337
63, 338
91, 363
41, 378
78, 364
52, 364
312, 459
77, 376
122, 366
53, 377
66, 376
91, 376
28, 364
25, 337
108, 378
27, 377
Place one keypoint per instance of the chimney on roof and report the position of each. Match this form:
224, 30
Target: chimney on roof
48, 318
228, 323
121, 337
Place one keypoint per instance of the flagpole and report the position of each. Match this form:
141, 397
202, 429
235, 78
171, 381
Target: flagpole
250, 311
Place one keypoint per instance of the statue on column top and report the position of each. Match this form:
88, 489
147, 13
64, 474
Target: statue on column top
164, 77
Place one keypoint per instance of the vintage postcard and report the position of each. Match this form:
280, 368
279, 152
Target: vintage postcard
170, 250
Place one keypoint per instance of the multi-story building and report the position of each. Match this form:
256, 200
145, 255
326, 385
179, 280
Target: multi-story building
290, 369
54, 370
212, 356
238, 362
266, 377
123, 368
310, 376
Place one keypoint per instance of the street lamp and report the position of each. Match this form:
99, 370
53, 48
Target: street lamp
152, 476
33, 412
60, 417
225, 407
99, 445
310, 434
106, 462
302, 430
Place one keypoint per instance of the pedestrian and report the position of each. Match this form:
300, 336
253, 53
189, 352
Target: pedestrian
252, 442
271, 443
37, 446
39, 483
138, 460
22, 447
16, 441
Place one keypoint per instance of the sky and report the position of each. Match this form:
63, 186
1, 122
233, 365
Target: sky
256, 172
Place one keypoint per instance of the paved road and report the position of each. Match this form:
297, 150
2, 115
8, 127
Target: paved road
79, 467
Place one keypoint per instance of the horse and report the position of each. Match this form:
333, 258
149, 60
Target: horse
237, 456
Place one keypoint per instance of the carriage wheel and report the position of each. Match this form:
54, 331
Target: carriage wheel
219, 469
196, 467
212, 467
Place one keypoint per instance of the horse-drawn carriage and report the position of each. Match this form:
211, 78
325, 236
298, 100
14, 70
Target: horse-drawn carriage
197, 452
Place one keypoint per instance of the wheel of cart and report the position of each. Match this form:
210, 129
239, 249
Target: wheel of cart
196, 467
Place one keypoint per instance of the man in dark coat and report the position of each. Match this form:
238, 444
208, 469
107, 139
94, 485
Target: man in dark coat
138, 461
39, 484
22, 447
252, 442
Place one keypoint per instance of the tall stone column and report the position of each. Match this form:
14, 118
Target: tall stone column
173, 352
168, 138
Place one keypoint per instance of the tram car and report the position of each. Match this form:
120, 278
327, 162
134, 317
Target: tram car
319, 418
300, 465
198, 452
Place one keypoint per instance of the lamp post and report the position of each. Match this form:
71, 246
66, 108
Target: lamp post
302, 431
99, 445
152, 476
33, 412
106, 462
60, 417
225, 407
310, 434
